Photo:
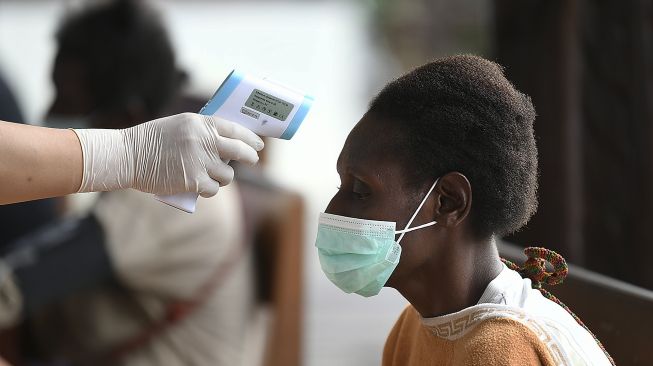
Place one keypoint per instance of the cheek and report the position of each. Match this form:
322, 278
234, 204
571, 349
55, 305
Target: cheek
409, 258
408, 262
414, 253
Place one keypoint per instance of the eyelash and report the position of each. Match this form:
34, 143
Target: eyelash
360, 196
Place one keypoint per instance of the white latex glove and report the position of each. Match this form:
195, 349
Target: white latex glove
181, 153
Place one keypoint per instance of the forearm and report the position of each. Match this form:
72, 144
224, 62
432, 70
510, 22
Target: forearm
38, 162
180, 153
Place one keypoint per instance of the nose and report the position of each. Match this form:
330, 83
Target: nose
336, 206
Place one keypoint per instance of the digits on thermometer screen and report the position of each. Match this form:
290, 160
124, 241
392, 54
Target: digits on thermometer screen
263, 106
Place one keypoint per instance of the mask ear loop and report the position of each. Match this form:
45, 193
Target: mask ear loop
406, 229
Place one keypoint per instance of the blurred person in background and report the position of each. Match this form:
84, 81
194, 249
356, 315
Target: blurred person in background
144, 284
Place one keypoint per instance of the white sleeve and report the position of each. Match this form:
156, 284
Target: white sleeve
159, 250
11, 300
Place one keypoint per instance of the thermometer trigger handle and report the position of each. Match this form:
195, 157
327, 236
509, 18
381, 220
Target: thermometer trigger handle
183, 201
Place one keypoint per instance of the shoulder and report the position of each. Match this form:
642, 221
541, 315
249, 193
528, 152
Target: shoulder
501, 341
403, 342
408, 320
130, 216
403, 329
157, 248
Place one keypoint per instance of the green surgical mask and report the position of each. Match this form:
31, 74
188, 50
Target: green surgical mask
359, 255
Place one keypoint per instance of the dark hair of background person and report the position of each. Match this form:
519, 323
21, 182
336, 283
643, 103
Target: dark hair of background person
121, 58
461, 114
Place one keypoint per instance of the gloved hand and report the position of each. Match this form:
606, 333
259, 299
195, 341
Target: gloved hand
180, 153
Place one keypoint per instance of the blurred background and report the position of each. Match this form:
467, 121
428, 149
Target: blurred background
587, 65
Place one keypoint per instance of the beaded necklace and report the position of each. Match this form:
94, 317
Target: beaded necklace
535, 269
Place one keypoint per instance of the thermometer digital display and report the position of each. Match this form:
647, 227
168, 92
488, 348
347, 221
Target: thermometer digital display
263, 106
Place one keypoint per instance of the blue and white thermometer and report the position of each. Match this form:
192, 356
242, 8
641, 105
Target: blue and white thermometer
263, 106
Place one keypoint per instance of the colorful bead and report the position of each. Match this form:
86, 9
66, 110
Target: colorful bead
535, 269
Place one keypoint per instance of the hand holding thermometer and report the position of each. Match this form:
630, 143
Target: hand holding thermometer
264, 107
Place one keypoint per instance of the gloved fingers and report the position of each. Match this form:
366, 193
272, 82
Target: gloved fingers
221, 172
208, 187
235, 131
232, 149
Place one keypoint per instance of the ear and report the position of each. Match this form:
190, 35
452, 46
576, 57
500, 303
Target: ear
453, 195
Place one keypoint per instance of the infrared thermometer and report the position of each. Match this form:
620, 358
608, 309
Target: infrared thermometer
265, 107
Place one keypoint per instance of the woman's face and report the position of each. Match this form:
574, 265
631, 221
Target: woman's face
373, 186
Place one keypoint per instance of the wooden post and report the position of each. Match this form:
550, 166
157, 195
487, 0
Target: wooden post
617, 87
589, 68
536, 41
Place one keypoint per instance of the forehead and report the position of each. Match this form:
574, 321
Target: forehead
369, 147
358, 141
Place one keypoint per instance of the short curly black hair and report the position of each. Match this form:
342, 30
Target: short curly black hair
461, 114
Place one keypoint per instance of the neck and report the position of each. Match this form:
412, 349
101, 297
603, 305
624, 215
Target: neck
454, 279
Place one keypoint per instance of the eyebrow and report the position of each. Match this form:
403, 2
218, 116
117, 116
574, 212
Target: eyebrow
354, 168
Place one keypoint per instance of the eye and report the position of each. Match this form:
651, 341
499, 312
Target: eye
360, 190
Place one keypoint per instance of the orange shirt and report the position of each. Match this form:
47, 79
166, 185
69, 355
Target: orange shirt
512, 324
493, 341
